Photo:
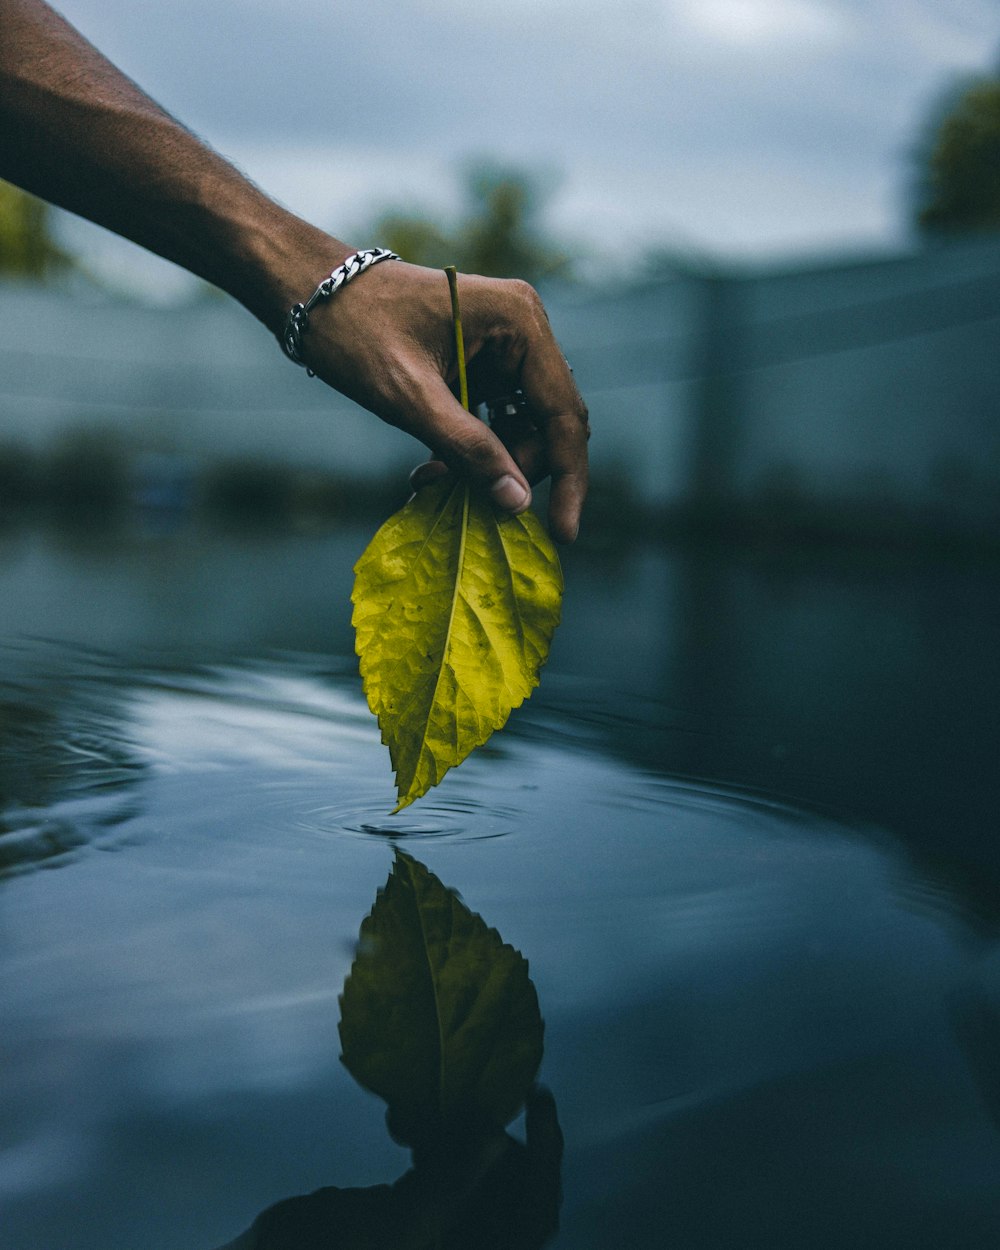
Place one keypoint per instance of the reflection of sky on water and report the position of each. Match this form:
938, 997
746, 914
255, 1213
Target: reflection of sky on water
743, 1000
694, 951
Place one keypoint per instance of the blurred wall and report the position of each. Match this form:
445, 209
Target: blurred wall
204, 380
866, 390
878, 386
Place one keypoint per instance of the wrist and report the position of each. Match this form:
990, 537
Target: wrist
277, 261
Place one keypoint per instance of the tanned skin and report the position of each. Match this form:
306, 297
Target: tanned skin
77, 132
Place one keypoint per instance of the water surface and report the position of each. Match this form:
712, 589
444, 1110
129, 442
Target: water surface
745, 836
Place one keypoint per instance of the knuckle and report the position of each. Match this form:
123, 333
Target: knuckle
525, 296
524, 290
574, 425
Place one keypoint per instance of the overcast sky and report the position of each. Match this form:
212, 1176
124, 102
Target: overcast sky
750, 128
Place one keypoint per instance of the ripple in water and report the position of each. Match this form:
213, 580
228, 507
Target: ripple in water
463, 821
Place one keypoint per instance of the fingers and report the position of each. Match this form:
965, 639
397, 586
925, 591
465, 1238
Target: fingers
463, 443
429, 471
567, 455
558, 410
513, 425
519, 435
391, 348
562, 416
529, 455
526, 445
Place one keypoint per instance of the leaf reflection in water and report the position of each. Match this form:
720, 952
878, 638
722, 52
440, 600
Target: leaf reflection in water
440, 1019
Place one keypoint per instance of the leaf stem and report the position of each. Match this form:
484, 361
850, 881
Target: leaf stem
456, 316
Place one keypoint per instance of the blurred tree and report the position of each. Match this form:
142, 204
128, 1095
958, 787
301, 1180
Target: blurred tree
27, 249
498, 235
959, 164
417, 239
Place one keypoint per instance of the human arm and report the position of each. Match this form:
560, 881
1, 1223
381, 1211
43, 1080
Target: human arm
77, 132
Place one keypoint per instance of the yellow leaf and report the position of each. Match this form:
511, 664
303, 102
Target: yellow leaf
454, 609
438, 1015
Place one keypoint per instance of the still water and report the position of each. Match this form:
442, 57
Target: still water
745, 836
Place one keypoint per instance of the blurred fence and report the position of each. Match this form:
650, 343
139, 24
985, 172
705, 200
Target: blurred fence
204, 380
860, 395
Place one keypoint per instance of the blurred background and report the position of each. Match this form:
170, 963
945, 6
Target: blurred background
768, 232
753, 849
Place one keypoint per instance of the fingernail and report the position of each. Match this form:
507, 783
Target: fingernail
509, 494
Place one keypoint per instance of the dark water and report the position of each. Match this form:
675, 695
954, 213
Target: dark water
745, 836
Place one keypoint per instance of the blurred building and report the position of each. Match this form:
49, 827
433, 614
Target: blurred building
861, 394
203, 381
856, 394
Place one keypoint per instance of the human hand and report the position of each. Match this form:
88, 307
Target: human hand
74, 130
387, 341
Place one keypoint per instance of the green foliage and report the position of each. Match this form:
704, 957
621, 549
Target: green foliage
498, 235
416, 239
438, 1015
27, 249
960, 191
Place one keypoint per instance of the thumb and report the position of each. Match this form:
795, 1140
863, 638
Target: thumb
470, 448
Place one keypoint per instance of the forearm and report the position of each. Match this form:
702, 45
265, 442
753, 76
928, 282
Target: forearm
74, 130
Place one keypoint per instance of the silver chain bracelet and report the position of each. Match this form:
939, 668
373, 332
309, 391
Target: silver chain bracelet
297, 321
